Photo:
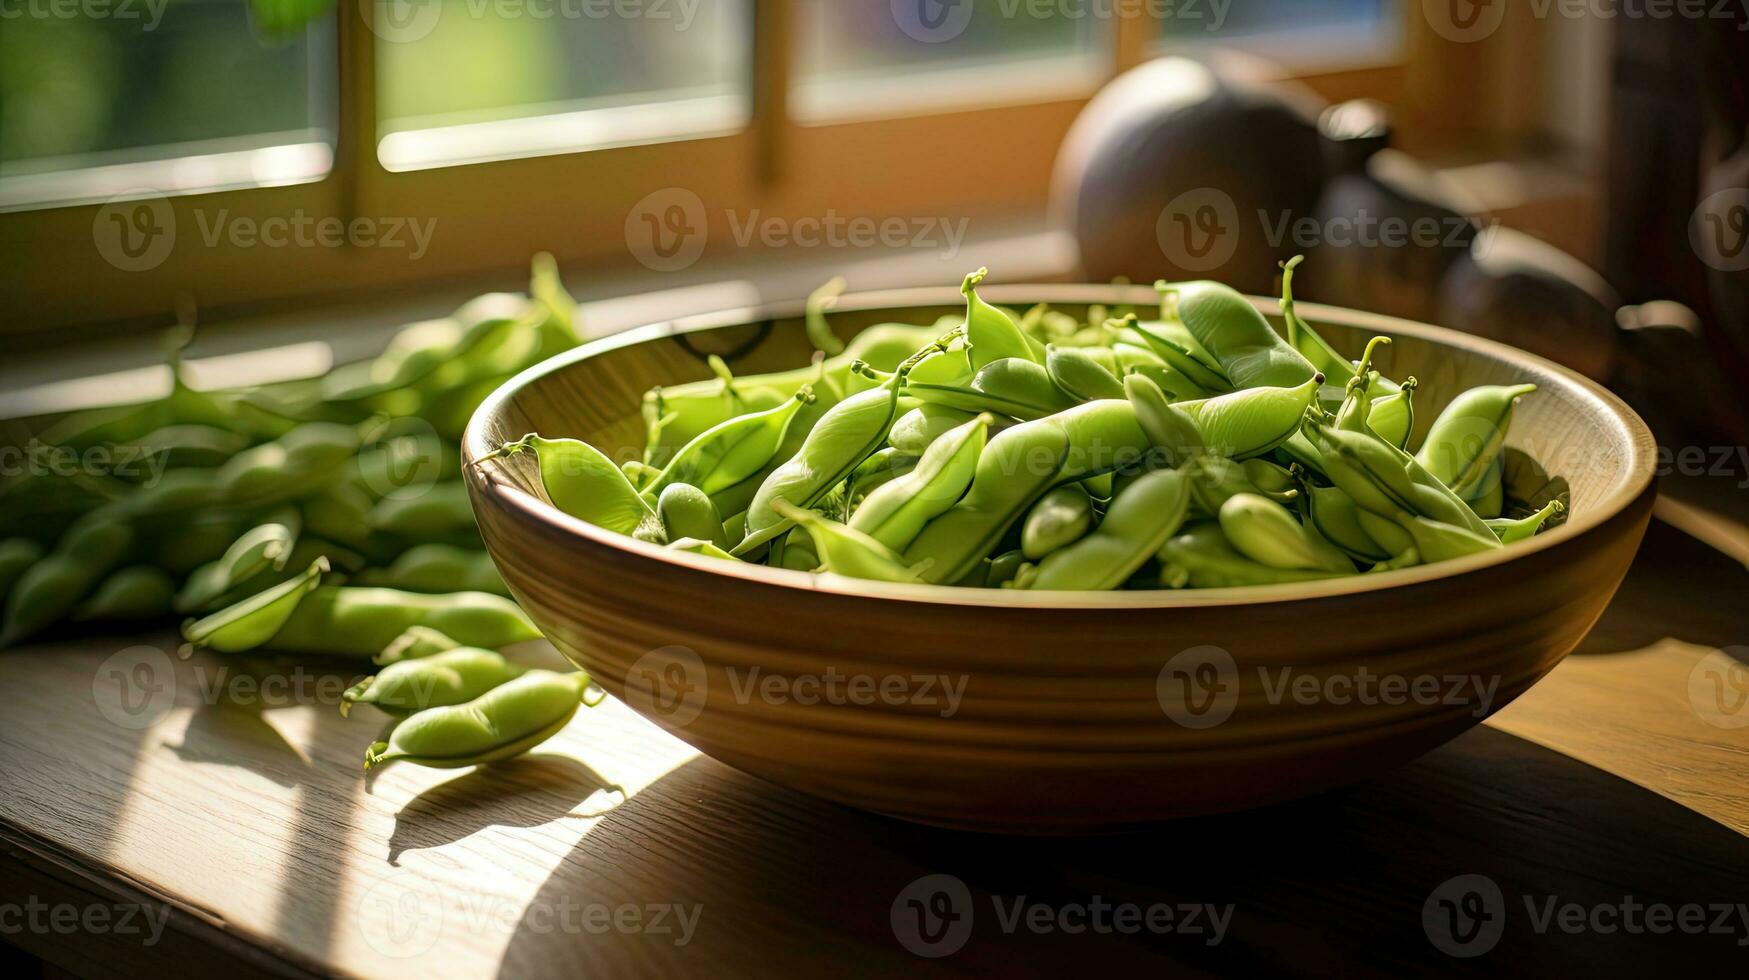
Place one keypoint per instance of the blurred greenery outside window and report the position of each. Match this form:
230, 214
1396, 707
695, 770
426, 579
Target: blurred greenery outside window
211, 94
95, 88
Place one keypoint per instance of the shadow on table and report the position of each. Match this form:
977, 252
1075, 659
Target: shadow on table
1681, 588
1335, 884
524, 792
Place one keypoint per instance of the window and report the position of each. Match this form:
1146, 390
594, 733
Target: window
175, 97
497, 128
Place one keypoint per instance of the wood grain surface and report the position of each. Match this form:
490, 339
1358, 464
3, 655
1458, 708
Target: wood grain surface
253, 830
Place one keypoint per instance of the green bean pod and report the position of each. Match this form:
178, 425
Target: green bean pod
895, 514
1251, 354
1079, 372
295, 465
843, 550
1023, 382
1465, 441
698, 546
438, 569
687, 512
133, 593
16, 556
847, 434
1385, 480
1202, 558
1140, 521
731, 451
1018, 467
445, 678
1059, 519
191, 444
506, 721
917, 430
1393, 415
1180, 351
1265, 532
360, 622
415, 643
1338, 519
1524, 528
266, 545
51, 587
253, 621
1252, 421
992, 334
581, 481
1170, 430
442, 511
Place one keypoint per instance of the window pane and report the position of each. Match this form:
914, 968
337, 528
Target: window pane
1272, 16
464, 80
1305, 34
858, 57
92, 98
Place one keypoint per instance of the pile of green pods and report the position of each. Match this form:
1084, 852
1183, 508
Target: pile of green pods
1037, 450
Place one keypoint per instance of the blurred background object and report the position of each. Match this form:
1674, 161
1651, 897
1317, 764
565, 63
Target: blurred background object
1521, 174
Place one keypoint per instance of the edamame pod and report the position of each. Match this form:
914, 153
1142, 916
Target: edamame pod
731, 451
1465, 441
843, 550
1023, 382
506, 721
1525, 528
292, 466
1148, 512
1265, 532
1393, 415
442, 511
438, 569
1338, 519
1060, 518
1251, 354
1079, 372
360, 622
267, 545
992, 334
137, 592
581, 481
895, 514
416, 642
253, 621
697, 546
845, 436
16, 555
449, 677
51, 587
917, 429
687, 512
1253, 421
1202, 558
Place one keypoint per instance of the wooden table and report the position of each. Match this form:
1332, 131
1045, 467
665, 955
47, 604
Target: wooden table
250, 833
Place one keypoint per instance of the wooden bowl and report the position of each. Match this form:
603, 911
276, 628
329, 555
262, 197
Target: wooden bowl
1059, 712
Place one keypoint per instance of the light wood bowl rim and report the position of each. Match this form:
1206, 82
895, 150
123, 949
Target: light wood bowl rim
1634, 479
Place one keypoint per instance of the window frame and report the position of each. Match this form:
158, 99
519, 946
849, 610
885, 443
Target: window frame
493, 215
